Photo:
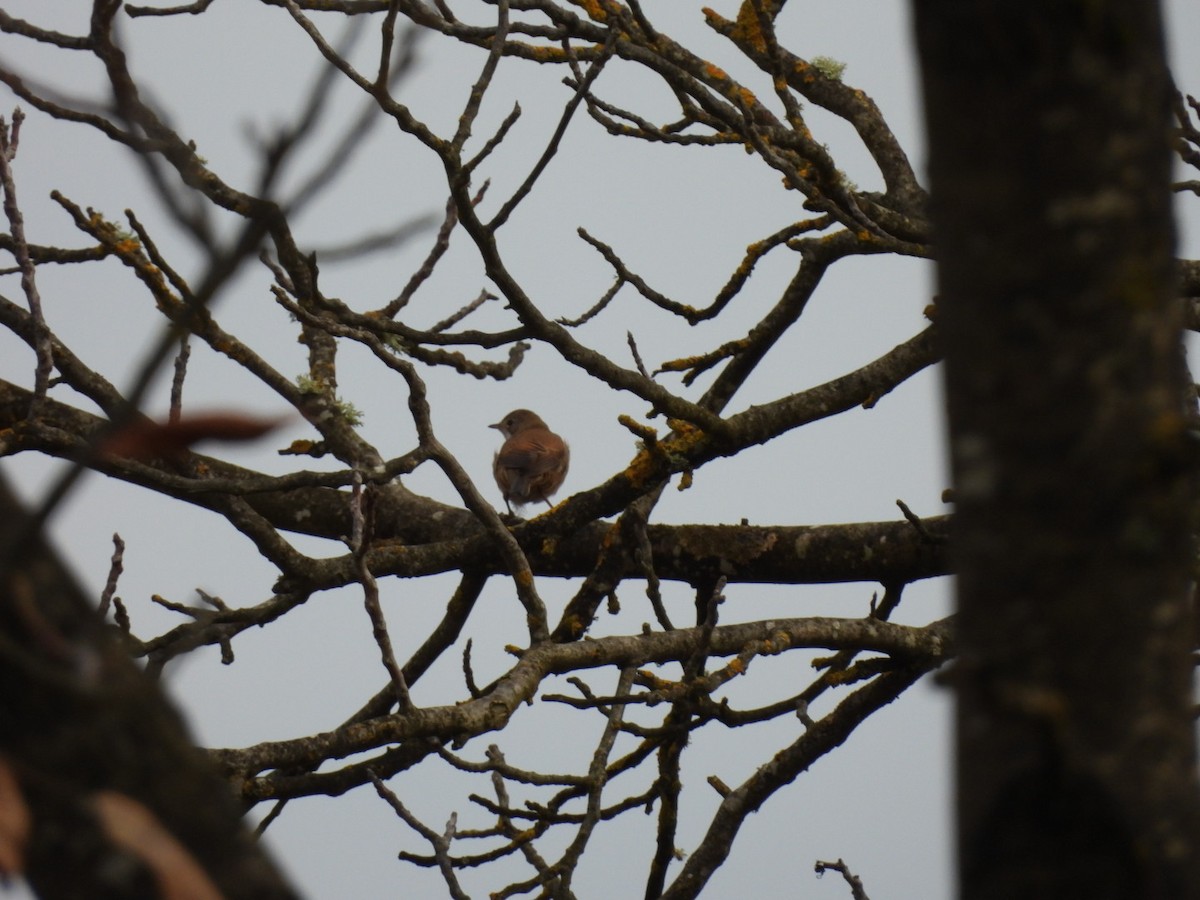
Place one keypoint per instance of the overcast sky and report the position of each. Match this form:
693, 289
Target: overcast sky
681, 217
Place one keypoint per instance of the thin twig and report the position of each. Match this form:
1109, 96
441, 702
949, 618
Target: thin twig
637, 357
439, 842
115, 568
9, 141
181, 361
856, 885
361, 515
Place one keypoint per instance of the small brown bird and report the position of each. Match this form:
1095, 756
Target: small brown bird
532, 462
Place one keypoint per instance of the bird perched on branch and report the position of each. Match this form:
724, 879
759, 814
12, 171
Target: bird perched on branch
532, 462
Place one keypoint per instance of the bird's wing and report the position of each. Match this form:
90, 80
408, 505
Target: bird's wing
533, 457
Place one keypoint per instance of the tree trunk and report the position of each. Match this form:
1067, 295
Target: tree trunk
1049, 165
102, 792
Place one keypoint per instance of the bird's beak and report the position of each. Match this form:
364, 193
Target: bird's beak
499, 426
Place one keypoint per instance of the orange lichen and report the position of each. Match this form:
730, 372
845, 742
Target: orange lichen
748, 29
682, 364
594, 9
747, 265
547, 54
674, 450
653, 682
683, 427
645, 432
684, 437
640, 468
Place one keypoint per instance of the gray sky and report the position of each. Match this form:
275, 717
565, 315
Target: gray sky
681, 217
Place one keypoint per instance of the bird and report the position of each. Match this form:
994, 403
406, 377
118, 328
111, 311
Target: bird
532, 462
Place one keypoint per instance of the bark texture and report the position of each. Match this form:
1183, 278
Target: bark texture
1049, 168
100, 771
